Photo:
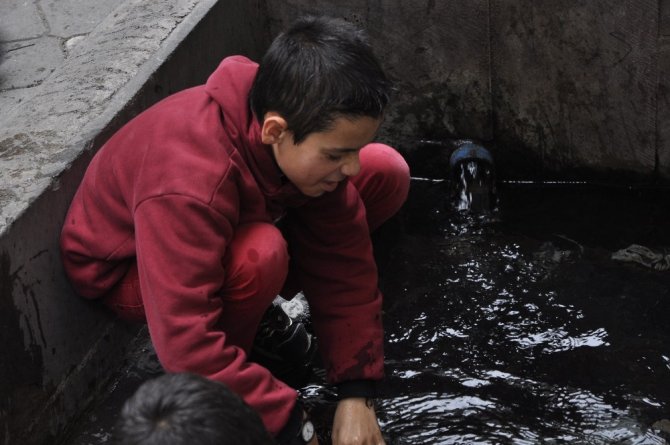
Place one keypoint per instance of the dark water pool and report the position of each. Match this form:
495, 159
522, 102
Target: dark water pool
513, 328
519, 327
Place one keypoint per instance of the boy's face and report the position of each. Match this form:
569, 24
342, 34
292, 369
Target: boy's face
323, 159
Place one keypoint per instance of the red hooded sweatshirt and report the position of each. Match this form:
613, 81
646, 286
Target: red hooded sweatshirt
170, 188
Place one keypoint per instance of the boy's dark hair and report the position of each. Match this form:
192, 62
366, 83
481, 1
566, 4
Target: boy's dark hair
316, 71
187, 409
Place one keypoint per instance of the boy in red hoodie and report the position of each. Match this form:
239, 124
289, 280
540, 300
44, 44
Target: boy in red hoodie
174, 222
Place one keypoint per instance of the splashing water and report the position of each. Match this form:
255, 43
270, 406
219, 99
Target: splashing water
495, 336
476, 188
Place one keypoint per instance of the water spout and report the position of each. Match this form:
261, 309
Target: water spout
473, 170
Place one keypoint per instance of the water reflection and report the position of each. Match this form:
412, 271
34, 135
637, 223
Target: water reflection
495, 336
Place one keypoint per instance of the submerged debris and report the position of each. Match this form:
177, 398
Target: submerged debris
643, 255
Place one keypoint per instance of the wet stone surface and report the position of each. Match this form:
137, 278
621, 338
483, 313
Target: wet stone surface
516, 327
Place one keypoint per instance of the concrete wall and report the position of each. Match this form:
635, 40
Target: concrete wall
570, 89
58, 350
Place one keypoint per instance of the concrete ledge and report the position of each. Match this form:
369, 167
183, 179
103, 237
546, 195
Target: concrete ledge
58, 350
65, 113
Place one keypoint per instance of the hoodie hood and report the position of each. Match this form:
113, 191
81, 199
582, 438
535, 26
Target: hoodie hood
229, 87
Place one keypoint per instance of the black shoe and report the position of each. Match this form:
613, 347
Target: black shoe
284, 346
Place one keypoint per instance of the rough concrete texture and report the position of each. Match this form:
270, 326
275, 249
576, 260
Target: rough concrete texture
20, 20
58, 350
27, 63
40, 138
66, 18
663, 118
558, 90
575, 83
33, 38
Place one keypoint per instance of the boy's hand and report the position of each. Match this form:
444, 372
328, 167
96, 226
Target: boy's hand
356, 423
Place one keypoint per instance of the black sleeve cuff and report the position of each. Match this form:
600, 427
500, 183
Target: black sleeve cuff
357, 388
291, 431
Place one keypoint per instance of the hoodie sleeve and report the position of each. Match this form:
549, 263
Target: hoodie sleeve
180, 275
332, 250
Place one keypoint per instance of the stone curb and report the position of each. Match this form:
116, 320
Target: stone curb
49, 130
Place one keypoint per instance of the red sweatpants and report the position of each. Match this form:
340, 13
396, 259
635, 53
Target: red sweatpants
251, 286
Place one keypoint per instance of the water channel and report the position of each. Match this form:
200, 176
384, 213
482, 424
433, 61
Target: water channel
514, 326
518, 327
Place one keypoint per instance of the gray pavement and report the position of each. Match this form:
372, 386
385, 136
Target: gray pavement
61, 88
36, 36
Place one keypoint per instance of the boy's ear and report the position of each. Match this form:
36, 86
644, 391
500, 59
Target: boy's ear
273, 129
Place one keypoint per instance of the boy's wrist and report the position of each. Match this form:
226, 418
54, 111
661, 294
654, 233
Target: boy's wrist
362, 388
299, 429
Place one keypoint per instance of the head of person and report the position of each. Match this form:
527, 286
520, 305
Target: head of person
187, 409
319, 95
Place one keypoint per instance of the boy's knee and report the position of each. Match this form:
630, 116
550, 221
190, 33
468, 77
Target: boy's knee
259, 254
383, 183
389, 166
263, 245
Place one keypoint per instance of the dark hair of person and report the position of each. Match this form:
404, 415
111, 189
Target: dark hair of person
316, 71
187, 409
